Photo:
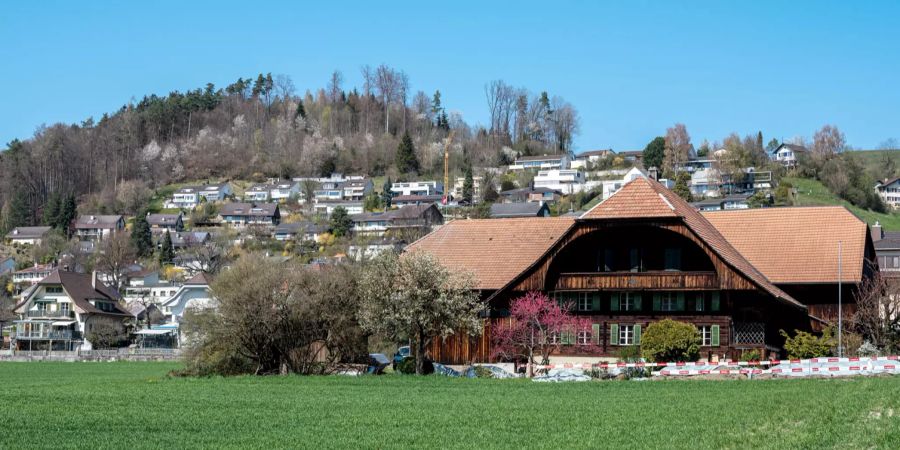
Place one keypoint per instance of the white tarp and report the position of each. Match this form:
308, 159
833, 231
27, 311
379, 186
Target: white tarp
152, 332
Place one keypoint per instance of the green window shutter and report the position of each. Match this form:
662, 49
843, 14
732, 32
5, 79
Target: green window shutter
679, 302
715, 301
637, 302
714, 339
614, 301
657, 302
637, 335
595, 334
595, 301
613, 334
568, 336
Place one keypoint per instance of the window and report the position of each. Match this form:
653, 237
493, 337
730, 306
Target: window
709, 335
630, 301
626, 334
584, 337
53, 289
699, 303
554, 338
585, 301
668, 301
64, 307
705, 335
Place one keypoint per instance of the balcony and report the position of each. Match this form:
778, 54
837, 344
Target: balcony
50, 314
662, 280
33, 335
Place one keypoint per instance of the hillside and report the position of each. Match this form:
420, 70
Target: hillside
811, 192
874, 160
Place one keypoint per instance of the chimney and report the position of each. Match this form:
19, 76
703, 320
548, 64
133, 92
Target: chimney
654, 173
876, 231
94, 280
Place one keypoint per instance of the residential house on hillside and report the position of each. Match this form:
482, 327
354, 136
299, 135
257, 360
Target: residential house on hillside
633, 156
889, 191
299, 231
32, 275
407, 200
476, 188
63, 309
645, 254
160, 223
284, 190
610, 187
531, 194
359, 251
250, 214
258, 193
89, 227
327, 207
527, 209
740, 201
787, 154
543, 162
566, 181
357, 190
585, 159
149, 289
185, 239
887, 248
194, 293
329, 190
27, 235
417, 188
188, 197
408, 221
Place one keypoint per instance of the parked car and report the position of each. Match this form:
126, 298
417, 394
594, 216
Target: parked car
402, 353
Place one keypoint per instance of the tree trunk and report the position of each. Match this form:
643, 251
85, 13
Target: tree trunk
420, 353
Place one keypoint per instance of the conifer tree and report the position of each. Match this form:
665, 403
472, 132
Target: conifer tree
386, 196
166, 253
406, 155
141, 237
51, 211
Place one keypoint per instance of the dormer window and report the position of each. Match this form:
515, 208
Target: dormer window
53, 289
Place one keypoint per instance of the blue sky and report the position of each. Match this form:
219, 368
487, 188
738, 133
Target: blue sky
630, 68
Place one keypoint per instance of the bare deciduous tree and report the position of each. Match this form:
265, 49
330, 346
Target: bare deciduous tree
877, 316
828, 141
678, 147
114, 254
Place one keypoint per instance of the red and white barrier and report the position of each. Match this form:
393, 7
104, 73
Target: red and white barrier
604, 365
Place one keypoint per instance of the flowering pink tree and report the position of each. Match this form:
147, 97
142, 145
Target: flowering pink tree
538, 326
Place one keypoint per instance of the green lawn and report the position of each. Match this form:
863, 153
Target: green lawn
126, 405
811, 192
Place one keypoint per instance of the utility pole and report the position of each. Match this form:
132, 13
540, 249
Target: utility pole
840, 309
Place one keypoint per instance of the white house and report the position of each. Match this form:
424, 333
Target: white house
706, 183
326, 207
356, 190
282, 191
194, 293
787, 154
32, 275
544, 162
567, 181
188, 197
417, 188
610, 187
300, 231
148, 288
27, 235
90, 227
257, 193
583, 159
62, 310
889, 190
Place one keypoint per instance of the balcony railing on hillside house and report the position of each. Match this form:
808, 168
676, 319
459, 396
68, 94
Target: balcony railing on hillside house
55, 335
51, 314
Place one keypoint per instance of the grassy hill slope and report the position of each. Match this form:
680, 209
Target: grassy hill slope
813, 193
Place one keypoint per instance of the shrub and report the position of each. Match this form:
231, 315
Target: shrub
807, 345
669, 340
483, 372
408, 366
107, 335
868, 349
750, 355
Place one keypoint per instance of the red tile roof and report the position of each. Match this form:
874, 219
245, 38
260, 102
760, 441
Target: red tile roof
798, 244
495, 250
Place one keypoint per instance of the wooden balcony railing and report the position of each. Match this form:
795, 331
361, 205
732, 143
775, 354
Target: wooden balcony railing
655, 280
50, 314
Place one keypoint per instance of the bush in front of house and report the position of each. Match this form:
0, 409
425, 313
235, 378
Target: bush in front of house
669, 340
408, 366
807, 345
106, 335
750, 355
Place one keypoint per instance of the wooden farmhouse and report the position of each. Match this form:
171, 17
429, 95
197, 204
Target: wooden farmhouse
645, 254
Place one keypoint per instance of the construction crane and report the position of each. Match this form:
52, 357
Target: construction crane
446, 198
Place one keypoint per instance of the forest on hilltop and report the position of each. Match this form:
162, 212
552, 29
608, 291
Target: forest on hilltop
262, 127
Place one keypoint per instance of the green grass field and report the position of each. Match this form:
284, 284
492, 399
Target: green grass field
813, 193
127, 405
